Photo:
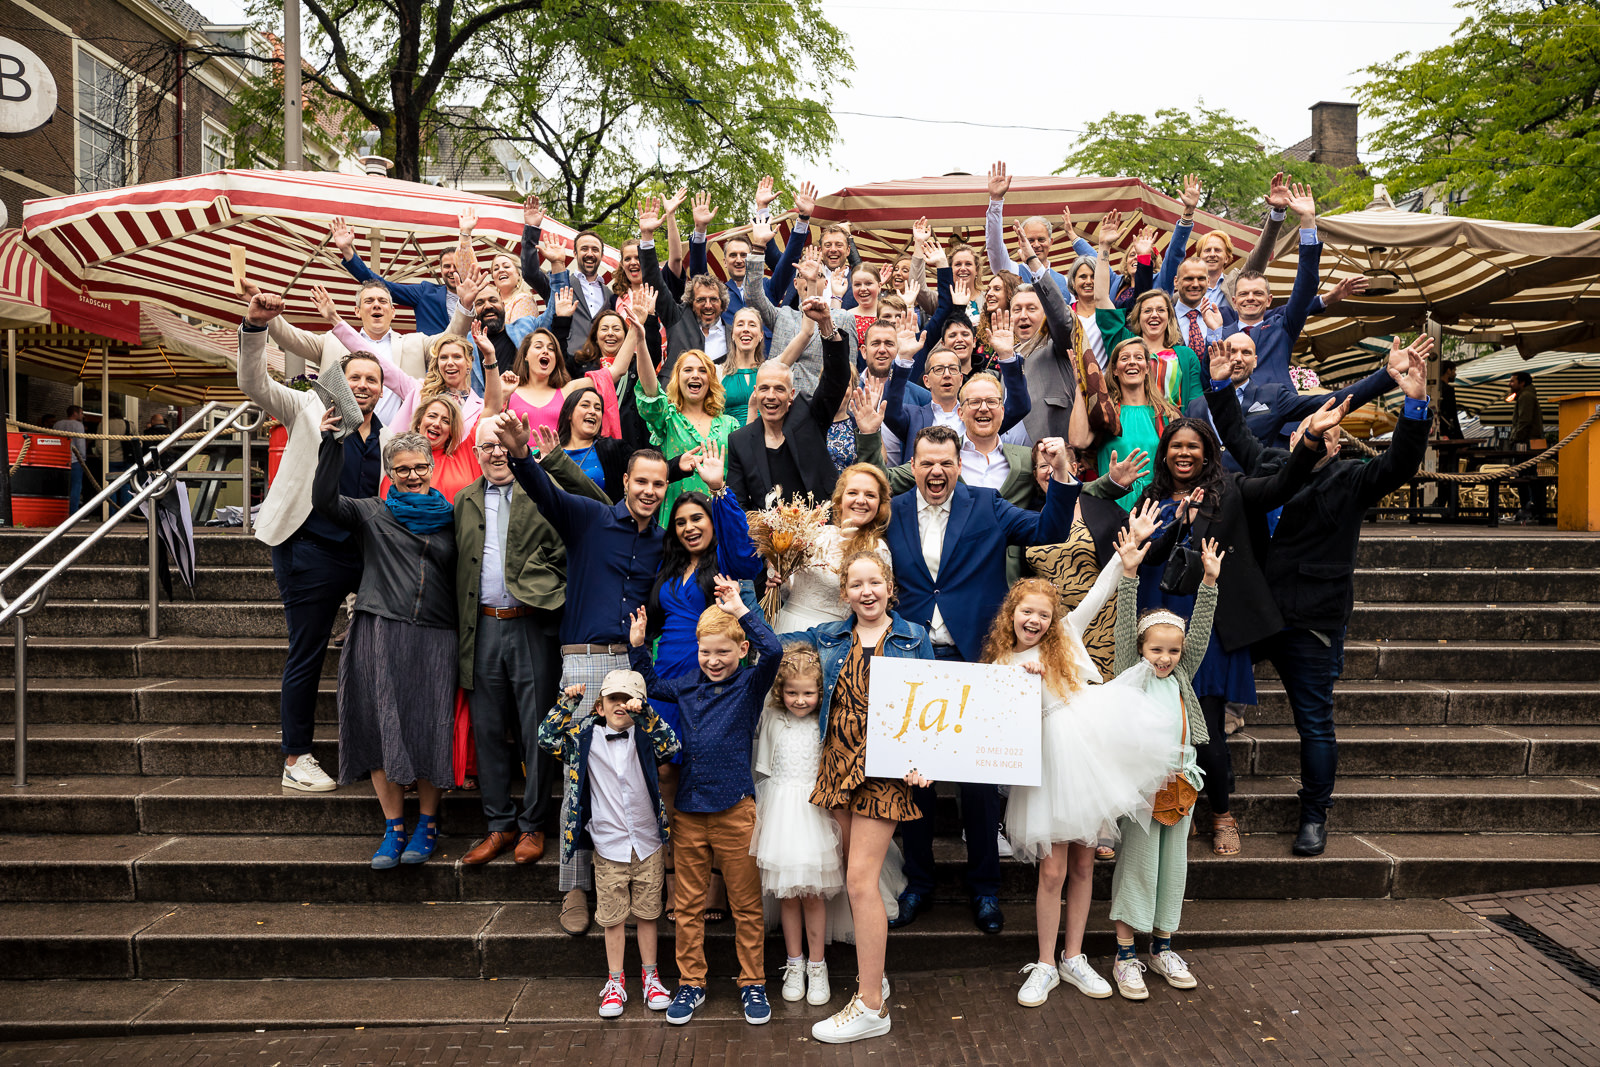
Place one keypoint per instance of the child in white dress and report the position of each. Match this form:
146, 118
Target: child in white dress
1102, 759
797, 845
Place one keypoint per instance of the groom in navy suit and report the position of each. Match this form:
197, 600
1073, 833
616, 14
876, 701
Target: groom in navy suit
949, 542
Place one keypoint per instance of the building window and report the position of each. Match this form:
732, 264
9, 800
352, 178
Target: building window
105, 119
213, 148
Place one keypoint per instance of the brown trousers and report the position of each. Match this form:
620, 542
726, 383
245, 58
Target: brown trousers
722, 839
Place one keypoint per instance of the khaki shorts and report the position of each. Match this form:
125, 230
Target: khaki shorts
636, 887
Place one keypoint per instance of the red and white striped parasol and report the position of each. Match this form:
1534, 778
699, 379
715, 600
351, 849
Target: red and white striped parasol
171, 242
881, 214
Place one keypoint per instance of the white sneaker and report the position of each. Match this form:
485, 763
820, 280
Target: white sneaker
1130, 983
818, 992
1036, 989
886, 988
612, 997
853, 1023
794, 980
307, 776
1078, 972
1004, 846
1170, 965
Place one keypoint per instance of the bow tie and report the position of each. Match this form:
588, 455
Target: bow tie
623, 736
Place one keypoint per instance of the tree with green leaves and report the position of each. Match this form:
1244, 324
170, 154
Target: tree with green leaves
1230, 156
1504, 121
611, 98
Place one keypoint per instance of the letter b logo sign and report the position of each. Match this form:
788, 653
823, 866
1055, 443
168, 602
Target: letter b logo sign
27, 90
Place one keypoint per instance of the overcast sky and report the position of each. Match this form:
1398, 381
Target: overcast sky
955, 62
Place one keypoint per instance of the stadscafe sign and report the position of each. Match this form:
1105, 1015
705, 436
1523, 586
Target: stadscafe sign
27, 90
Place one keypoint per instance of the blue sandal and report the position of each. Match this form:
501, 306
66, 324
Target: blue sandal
394, 839
423, 840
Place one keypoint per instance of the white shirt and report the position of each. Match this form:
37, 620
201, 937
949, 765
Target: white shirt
622, 819
988, 471
717, 342
592, 291
492, 591
388, 406
931, 522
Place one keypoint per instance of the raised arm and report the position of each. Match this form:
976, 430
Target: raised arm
325, 498
994, 230
835, 378
532, 228
650, 267
1277, 201
1102, 264
275, 398
1180, 234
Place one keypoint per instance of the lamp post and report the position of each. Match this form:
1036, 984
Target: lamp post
293, 150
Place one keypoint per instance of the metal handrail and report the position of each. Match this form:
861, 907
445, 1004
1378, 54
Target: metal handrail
158, 484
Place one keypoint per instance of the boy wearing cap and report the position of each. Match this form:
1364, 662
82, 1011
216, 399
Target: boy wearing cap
611, 756
718, 707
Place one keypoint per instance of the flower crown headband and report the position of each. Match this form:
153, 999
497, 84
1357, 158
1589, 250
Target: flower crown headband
1161, 618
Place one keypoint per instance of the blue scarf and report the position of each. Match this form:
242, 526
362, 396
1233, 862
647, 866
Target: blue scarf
421, 513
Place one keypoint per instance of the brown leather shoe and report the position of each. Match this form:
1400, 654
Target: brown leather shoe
530, 847
491, 846
575, 912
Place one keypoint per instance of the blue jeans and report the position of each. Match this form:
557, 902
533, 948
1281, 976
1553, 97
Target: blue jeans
75, 485
1308, 668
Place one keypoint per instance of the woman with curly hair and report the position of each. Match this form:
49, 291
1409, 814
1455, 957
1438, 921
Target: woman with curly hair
860, 518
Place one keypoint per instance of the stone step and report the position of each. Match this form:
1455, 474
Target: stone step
1413, 751
1455, 586
445, 940
1480, 621
1452, 548
121, 618
177, 701
1468, 661
173, 656
1381, 703
320, 868
1432, 805
128, 547
113, 582
157, 749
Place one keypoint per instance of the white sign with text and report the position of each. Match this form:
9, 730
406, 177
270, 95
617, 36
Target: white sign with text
953, 722
27, 90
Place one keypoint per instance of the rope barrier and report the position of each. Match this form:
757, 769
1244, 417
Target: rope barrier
104, 436
22, 454
1474, 478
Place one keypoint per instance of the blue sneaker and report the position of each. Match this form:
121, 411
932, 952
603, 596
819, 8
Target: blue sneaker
756, 1008
394, 841
423, 840
684, 1003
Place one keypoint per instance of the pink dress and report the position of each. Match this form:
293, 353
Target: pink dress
406, 387
548, 415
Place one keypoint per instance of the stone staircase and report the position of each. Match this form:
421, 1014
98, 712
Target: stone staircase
155, 871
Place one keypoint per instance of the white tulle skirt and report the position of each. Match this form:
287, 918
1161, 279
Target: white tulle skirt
796, 843
1106, 753
841, 924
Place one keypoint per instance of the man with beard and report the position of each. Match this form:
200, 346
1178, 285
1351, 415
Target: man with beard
375, 309
511, 581
949, 542
317, 563
696, 323
785, 322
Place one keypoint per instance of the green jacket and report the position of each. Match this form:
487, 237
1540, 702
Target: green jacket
535, 556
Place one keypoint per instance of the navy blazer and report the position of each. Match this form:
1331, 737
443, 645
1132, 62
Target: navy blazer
972, 565
907, 418
1273, 411
1279, 329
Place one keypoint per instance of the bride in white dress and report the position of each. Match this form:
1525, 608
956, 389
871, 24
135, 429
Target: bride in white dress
861, 517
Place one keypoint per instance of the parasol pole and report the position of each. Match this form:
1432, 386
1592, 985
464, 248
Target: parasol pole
293, 153
105, 421
10, 405
1430, 459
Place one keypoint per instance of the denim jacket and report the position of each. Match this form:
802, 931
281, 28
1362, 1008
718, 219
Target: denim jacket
905, 640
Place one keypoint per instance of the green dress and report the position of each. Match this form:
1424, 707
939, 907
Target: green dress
1114, 330
738, 385
675, 435
1138, 431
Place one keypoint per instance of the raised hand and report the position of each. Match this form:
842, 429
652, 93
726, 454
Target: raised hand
1302, 203
817, 310
728, 598
1002, 341
342, 236
921, 232
1346, 287
1145, 243
1219, 361
509, 380
472, 279
910, 340
674, 201
264, 307
481, 339
1327, 417
999, 182
765, 193
551, 249
761, 235
325, 305
1132, 550
649, 218
884, 273
868, 406
1191, 193
1066, 223
1127, 471
1144, 518
1055, 450
638, 622
805, 200
1210, 561
468, 219
811, 256
839, 283
330, 420
644, 301
511, 430
1024, 246
565, 303
1209, 314
909, 293
933, 252
702, 211
1278, 192
713, 466
1110, 226
545, 439
960, 294
532, 211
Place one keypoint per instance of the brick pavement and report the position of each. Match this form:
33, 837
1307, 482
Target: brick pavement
1473, 997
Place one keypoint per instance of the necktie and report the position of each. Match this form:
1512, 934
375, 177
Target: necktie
623, 736
504, 517
933, 539
1196, 342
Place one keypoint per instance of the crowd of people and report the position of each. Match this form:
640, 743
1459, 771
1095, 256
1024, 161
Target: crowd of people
541, 504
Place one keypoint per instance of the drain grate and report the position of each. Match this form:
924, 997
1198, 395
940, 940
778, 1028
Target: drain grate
1551, 950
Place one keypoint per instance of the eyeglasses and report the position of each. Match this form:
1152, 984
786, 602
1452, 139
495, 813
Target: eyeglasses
490, 450
411, 472
983, 402
942, 371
